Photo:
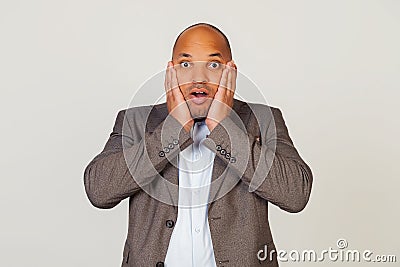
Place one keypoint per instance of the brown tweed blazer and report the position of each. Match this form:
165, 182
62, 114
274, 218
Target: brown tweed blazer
255, 163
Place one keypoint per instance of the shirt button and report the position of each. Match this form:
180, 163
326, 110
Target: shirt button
197, 230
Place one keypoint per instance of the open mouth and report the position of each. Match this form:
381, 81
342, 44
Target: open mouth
198, 96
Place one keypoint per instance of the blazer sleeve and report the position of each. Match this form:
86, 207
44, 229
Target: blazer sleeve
270, 165
126, 164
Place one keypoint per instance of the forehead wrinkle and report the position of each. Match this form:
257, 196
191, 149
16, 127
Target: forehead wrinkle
200, 43
210, 49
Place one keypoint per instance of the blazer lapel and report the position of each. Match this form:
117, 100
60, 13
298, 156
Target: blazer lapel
224, 178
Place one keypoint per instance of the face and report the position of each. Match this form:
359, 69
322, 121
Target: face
199, 58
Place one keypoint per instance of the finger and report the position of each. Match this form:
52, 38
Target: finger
224, 78
170, 68
177, 93
174, 78
229, 82
168, 78
232, 78
233, 64
219, 95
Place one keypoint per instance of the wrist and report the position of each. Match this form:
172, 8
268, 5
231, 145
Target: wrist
211, 124
188, 126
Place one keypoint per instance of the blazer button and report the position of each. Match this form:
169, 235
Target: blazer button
166, 149
218, 147
169, 223
232, 160
161, 154
223, 152
175, 141
160, 264
258, 140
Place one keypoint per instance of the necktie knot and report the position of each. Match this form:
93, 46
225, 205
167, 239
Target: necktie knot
200, 132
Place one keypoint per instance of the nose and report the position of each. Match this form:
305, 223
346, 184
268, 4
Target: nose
199, 74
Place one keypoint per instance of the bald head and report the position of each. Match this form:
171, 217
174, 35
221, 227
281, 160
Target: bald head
203, 34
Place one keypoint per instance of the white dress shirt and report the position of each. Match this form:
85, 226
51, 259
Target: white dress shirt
190, 244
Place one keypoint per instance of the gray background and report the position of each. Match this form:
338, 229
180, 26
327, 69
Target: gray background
67, 67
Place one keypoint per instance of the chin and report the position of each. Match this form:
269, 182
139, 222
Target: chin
198, 112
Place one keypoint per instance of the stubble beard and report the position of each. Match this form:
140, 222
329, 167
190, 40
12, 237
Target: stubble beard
199, 112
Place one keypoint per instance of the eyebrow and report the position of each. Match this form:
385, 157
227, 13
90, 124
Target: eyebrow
184, 55
217, 54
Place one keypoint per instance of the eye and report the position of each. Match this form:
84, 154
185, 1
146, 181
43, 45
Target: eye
185, 64
214, 65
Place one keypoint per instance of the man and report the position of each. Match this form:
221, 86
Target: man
200, 169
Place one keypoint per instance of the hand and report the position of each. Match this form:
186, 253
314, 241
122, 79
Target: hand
176, 103
222, 103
